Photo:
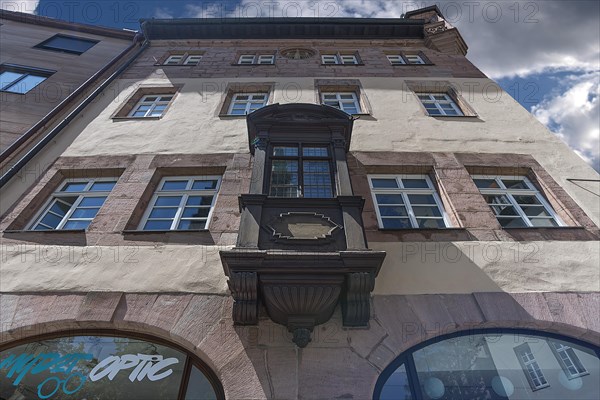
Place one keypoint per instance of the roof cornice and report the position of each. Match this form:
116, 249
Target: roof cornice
282, 28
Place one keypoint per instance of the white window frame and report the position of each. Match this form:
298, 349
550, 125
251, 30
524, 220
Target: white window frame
339, 59
174, 59
244, 58
348, 59
561, 352
185, 194
396, 59
266, 59
414, 59
528, 364
532, 191
57, 194
193, 59
405, 192
247, 102
432, 100
153, 104
330, 59
340, 101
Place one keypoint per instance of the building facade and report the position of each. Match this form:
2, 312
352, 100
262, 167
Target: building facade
302, 209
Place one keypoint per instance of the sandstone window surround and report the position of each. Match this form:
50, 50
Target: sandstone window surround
407, 202
440, 99
147, 103
341, 58
349, 95
21, 79
181, 203
516, 202
181, 58
74, 205
233, 100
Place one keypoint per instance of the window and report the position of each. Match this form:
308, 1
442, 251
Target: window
414, 59
516, 202
266, 59
530, 366
344, 59
74, 205
183, 59
173, 60
405, 59
18, 79
192, 60
182, 203
485, 364
568, 360
407, 201
396, 59
151, 106
301, 171
439, 104
345, 101
155, 370
251, 59
67, 44
245, 103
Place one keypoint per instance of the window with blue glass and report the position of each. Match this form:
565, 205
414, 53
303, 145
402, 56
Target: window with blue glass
182, 203
499, 364
67, 44
21, 79
74, 205
301, 171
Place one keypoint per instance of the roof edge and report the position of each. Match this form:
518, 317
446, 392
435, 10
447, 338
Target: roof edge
71, 26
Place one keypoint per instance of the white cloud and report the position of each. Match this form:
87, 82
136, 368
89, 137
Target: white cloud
575, 117
161, 12
24, 6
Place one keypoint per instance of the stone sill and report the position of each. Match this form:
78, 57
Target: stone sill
449, 117
53, 231
535, 228
412, 65
252, 65
227, 116
117, 119
451, 229
344, 65
162, 232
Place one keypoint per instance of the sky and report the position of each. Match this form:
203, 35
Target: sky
545, 53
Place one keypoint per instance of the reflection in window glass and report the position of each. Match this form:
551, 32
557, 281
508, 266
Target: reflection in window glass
199, 388
498, 366
97, 367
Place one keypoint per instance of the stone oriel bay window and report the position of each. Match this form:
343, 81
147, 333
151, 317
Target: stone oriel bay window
240, 99
301, 227
147, 102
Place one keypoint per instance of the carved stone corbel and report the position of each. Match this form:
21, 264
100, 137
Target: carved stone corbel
244, 289
356, 306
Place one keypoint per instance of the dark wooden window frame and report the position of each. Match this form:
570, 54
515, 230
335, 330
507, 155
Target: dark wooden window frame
300, 145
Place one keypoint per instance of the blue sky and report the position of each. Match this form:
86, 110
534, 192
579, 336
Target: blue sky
546, 54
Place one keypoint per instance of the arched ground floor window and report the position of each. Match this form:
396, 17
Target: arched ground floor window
494, 364
103, 365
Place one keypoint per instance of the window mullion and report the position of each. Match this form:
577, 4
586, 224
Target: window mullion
19, 79
411, 214
518, 209
179, 213
70, 211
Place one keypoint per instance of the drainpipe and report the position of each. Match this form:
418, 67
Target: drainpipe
12, 171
